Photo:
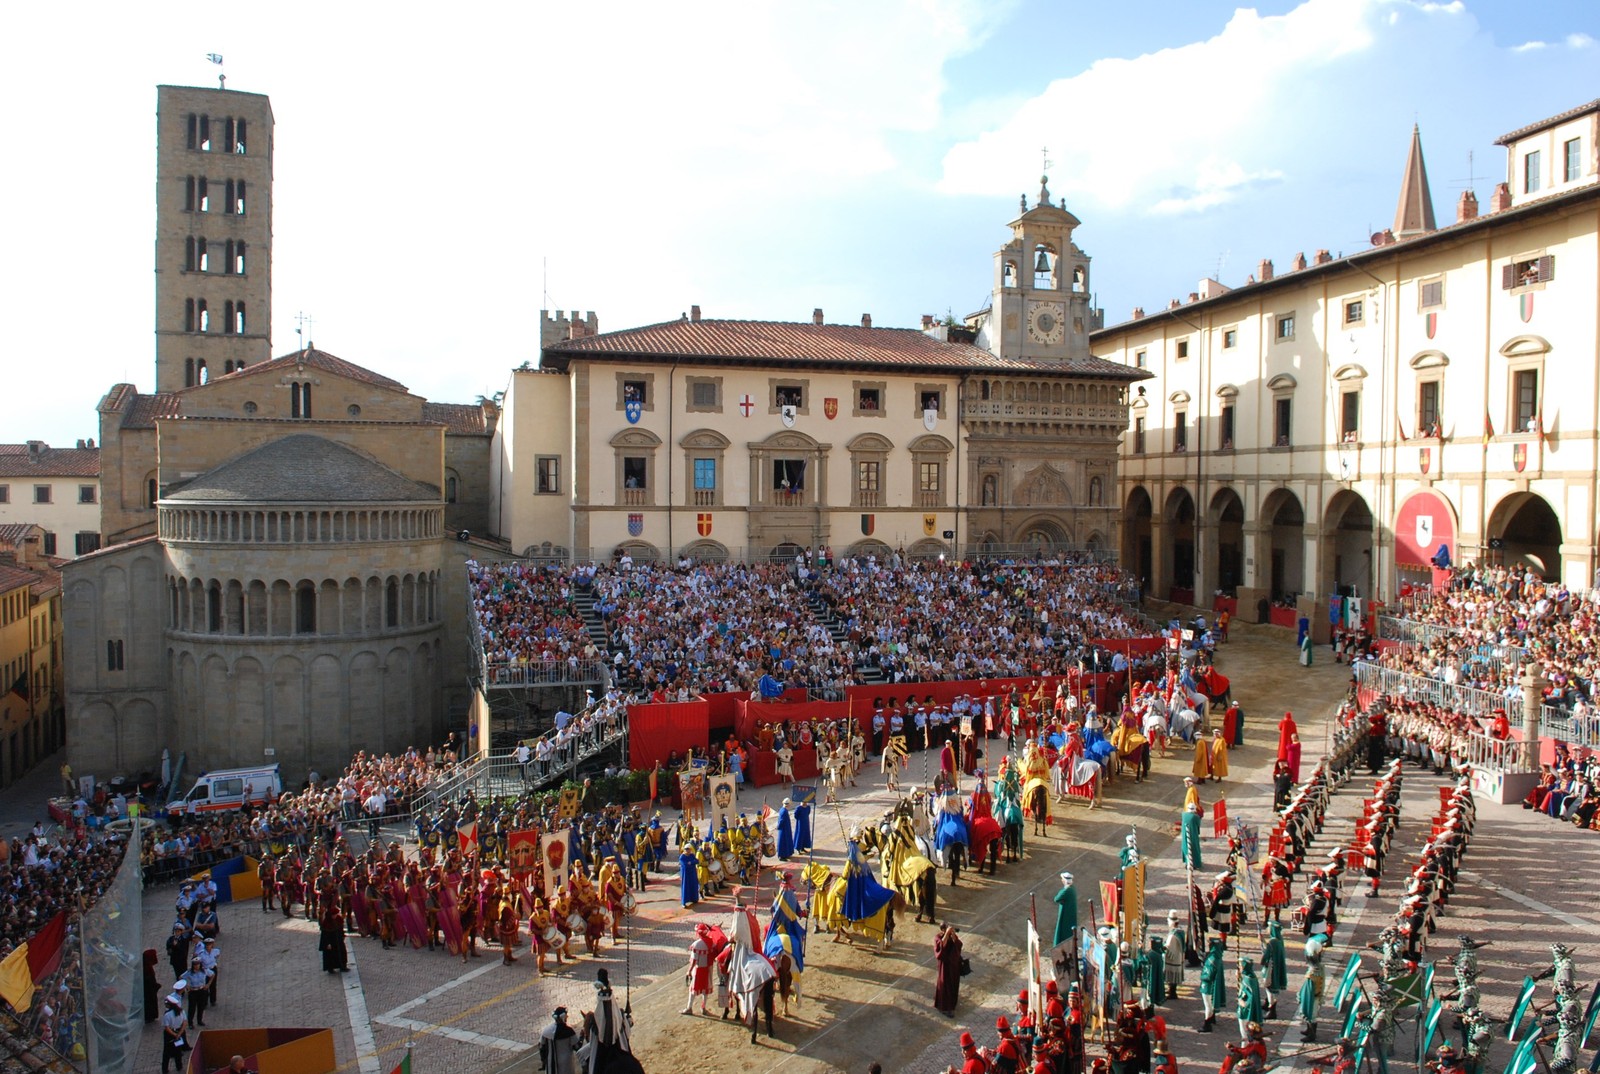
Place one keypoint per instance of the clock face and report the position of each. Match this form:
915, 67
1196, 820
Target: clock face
1046, 322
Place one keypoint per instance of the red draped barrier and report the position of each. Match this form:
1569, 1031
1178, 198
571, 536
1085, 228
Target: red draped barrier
654, 731
752, 713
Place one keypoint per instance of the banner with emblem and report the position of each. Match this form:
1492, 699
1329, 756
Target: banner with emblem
1525, 307
702, 523
692, 794
1133, 905
804, 794
930, 418
724, 797
634, 410
1432, 323
467, 838
789, 412
522, 852
1519, 457
571, 803
868, 524
830, 408
555, 850
635, 525
930, 523
1424, 458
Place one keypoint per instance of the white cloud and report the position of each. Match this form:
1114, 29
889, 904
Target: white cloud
1216, 183
1580, 40
1530, 46
1186, 128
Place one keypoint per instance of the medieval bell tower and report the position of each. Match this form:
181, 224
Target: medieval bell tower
1040, 304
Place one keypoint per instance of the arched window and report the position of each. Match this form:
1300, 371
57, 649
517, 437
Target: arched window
305, 609
450, 489
202, 257
200, 374
214, 608
391, 604
227, 318
300, 399
188, 254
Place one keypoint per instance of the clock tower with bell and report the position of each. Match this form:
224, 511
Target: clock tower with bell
1040, 305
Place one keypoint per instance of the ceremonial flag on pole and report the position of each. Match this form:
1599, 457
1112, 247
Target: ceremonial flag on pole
467, 835
44, 948
1219, 819
16, 983
653, 791
1108, 898
1488, 428
404, 1066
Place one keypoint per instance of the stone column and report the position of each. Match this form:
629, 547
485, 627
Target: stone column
1160, 569
1257, 548
1533, 684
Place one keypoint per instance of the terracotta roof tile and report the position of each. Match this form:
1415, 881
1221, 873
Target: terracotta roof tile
147, 408
50, 462
315, 359
816, 345
464, 419
1560, 117
12, 577
303, 469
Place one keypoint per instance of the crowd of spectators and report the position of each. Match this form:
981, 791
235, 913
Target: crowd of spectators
526, 611
372, 788
674, 631
1490, 619
45, 873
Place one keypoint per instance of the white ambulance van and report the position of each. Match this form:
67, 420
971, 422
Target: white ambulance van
229, 789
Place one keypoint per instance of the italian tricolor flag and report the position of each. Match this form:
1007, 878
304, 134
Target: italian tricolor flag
404, 1066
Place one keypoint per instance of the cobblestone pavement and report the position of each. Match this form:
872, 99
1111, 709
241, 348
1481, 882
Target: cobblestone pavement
1528, 881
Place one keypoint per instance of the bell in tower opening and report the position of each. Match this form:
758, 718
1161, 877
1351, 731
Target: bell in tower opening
1038, 313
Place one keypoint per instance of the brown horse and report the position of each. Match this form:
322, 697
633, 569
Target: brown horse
1037, 803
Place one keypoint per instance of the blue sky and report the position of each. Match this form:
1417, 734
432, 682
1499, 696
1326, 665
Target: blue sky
437, 173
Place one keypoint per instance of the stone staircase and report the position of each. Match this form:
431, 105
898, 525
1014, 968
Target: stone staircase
822, 613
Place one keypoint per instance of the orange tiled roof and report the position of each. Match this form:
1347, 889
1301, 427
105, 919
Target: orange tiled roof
1559, 117
464, 419
50, 462
144, 411
13, 532
805, 344
315, 359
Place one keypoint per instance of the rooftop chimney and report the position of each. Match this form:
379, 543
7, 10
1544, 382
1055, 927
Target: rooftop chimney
1467, 207
1298, 263
1323, 257
816, 315
694, 313
1264, 270
866, 320
81, 444
927, 321
1174, 304
1500, 200
35, 449
1138, 313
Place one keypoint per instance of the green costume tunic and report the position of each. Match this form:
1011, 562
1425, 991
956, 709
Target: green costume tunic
1066, 914
1191, 841
1154, 965
1249, 1005
1311, 993
1212, 983
1273, 962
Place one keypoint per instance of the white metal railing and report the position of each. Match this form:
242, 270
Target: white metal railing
1562, 724
1464, 699
1507, 755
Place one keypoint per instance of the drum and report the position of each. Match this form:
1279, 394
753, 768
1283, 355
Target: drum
769, 846
730, 864
714, 868
629, 903
576, 922
607, 918
554, 938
